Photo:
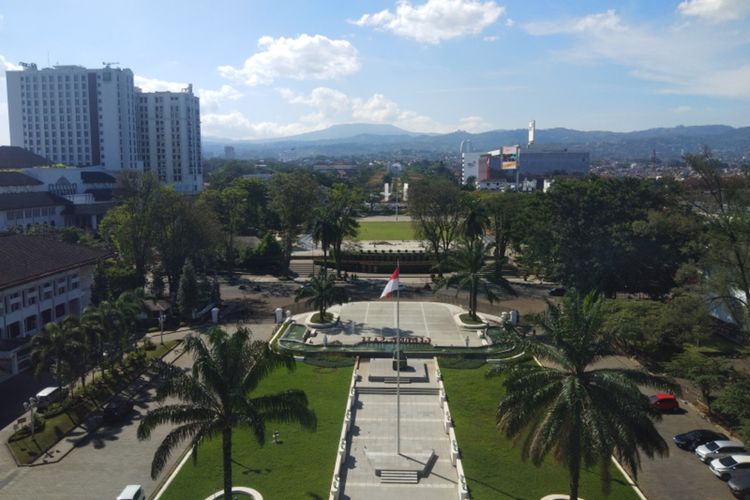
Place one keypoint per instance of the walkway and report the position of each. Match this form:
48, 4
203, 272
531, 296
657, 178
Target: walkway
373, 446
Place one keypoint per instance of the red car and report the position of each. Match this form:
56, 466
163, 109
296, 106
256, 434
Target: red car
664, 402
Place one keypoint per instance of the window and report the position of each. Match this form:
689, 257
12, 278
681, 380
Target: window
30, 323
59, 311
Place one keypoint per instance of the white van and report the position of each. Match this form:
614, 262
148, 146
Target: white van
132, 492
50, 395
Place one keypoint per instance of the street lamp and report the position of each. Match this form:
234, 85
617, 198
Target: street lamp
161, 326
31, 406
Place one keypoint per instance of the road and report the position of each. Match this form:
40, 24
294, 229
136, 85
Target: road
680, 476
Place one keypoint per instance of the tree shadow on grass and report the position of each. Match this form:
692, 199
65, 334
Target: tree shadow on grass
246, 470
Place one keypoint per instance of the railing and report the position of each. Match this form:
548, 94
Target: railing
343, 442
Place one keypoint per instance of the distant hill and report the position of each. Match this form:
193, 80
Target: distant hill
365, 139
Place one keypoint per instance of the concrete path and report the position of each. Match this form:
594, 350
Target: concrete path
372, 438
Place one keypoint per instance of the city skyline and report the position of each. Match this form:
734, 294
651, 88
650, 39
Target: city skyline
266, 70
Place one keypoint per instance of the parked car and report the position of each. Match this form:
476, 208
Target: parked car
719, 449
50, 395
739, 484
132, 492
723, 467
693, 439
116, 410
664, 402
556, 292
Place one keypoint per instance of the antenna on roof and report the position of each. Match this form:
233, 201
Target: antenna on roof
108, 64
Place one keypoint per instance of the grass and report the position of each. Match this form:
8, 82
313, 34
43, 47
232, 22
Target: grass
27, 450
300, 467
377, 231
327, 318
467, 319
493, 467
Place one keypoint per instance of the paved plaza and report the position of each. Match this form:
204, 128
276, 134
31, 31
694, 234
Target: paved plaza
419, 320
372, 442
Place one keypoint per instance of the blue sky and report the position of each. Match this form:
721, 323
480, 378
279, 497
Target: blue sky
275, 68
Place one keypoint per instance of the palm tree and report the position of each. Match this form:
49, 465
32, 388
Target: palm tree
321, 292
475, 220
215, 397
116, 319
55, 347
345, 225
470, 272
582, 415
324, 230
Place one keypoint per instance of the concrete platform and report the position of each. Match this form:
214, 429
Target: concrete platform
381, 370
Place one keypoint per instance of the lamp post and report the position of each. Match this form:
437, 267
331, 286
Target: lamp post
31, 406
161, 326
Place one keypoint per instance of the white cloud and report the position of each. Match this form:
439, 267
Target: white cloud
490, 38
329, 106
436, 20
6, 65
474, 124
510, 23
155, 85
715, 10
682, 109
303, 58
604, 21
211, 99
686, 59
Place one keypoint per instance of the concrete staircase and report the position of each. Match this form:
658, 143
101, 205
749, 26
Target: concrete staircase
303, 267
391, 389
399, 476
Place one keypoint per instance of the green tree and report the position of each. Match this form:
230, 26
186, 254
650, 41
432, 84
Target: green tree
708, 374
188, 293
724, 202
502, 210
188, 229
579, 414
230, 206
132, 226
475, 219
471, 273
99, 284
343, 203
216, 398
55, 347
323, 230
293, 199
436, 210
733, 404
321, 292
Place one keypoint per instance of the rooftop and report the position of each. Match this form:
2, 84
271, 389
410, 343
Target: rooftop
11, 178
23, 258
15, 157
14, 201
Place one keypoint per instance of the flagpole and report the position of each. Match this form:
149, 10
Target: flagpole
398, 362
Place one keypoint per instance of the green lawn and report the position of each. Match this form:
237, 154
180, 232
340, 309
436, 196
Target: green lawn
377, 231
301, 467
493, 467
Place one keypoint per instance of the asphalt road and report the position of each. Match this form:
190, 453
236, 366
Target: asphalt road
680, 476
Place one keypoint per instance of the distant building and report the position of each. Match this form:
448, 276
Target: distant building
470, 166
74, 115
41, 280
542, 162
169, 138
466, 146
229, 153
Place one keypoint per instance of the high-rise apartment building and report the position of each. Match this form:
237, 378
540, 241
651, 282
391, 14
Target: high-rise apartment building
169, 137
81, 117
74, 115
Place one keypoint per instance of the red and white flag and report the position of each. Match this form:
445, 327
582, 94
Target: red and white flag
392, 285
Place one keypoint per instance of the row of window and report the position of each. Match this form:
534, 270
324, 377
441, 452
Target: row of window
30, 296
30, 213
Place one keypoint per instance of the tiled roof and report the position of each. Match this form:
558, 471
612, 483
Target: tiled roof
11, 178
97, 178
24, 258
15, 201
15, 157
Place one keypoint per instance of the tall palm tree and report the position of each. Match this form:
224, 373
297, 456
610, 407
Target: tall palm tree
471, 273
55, 347
324, 230
215, 398
321, 292
345, 224
580, 414
475, 220
116, 319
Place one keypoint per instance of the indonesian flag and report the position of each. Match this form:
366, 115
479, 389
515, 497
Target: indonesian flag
392, 285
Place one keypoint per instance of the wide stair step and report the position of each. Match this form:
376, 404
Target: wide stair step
399, 476
390, 389
303, 267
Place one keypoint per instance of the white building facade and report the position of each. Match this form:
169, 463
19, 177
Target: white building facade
169, 138
75, 116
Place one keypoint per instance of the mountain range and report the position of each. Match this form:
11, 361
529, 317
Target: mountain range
362, 139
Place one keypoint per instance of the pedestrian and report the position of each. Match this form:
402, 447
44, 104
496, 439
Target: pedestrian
467, 341
276, 437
